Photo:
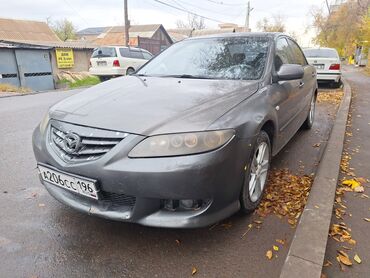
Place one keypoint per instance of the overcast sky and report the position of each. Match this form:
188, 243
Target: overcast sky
93, 13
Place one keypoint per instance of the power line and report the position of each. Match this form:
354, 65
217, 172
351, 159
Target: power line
225, 4
198, 7
75, 11
187, 11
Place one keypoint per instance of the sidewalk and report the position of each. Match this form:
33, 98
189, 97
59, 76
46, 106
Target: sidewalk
352, 208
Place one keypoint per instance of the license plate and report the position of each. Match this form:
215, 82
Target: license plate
101, 63
79, 185
319, 66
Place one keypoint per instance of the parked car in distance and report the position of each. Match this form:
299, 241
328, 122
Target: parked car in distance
112, 61
327, 63
187, 140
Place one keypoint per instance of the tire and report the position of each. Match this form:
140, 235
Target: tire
103, 78
250, 198
130, 71
336, 85
308, 123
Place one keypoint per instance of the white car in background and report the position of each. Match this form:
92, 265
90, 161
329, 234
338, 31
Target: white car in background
112, 61
327, 63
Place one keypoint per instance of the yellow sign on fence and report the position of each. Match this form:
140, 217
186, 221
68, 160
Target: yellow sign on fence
65, 58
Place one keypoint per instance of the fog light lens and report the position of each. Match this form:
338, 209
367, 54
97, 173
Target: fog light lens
187, 204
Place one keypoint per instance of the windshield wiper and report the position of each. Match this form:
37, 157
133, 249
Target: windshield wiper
188, 76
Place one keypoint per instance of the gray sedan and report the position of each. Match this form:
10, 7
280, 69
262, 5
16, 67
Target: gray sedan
187, 140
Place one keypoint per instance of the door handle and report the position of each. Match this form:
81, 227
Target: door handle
301, 84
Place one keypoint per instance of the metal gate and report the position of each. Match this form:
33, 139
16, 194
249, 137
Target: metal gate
8, 67
34, 68
152, 45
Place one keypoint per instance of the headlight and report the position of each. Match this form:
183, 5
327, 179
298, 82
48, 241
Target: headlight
182, 143
44, 123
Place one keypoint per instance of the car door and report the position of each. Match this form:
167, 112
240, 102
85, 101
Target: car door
125, 60
307, 84
137, 58
286, 93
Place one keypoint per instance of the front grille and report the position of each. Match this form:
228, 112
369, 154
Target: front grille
117, 199
94, 143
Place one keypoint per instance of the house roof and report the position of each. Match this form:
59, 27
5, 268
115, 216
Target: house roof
92, 31
183, 33
47, 45
26, 30
115, 35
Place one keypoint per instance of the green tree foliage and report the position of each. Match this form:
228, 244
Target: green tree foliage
64, 29
344, 27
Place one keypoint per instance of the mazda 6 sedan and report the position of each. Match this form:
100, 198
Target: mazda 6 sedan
187, 140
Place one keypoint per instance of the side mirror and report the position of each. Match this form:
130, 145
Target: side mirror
290, 72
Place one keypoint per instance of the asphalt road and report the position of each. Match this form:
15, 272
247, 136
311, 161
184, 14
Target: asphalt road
40, 237
357, 208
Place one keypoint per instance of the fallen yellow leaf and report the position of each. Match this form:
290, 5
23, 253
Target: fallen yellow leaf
269, 254
344, 254
361, 180
249, 228
351, 183
281, 241
359, 189
328, 263
276, 248
344, 260
367, 219
193, 271
357, 259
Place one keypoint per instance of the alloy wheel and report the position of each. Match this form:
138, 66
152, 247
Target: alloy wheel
312, 111
259, 170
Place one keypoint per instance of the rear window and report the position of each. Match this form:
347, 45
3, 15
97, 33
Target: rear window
104, 52
320, 53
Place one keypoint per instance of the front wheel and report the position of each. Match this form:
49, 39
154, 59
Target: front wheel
256, 174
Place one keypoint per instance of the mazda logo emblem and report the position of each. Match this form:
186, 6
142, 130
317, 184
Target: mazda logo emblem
72, 143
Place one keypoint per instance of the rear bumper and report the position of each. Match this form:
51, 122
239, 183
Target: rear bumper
215, 177
326, 76
107, 71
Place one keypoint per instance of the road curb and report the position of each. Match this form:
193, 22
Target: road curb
307, 250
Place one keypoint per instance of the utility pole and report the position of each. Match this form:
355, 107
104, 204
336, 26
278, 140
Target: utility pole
249, 9
328, 6
127, 25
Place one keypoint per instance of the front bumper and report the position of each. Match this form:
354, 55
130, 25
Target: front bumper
215, 176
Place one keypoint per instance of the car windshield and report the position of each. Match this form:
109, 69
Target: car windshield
104, 52
242, 58
320, 53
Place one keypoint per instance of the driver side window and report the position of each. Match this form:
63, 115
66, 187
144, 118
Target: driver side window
282, 53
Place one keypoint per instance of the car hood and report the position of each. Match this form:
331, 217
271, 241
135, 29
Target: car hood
153, 105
